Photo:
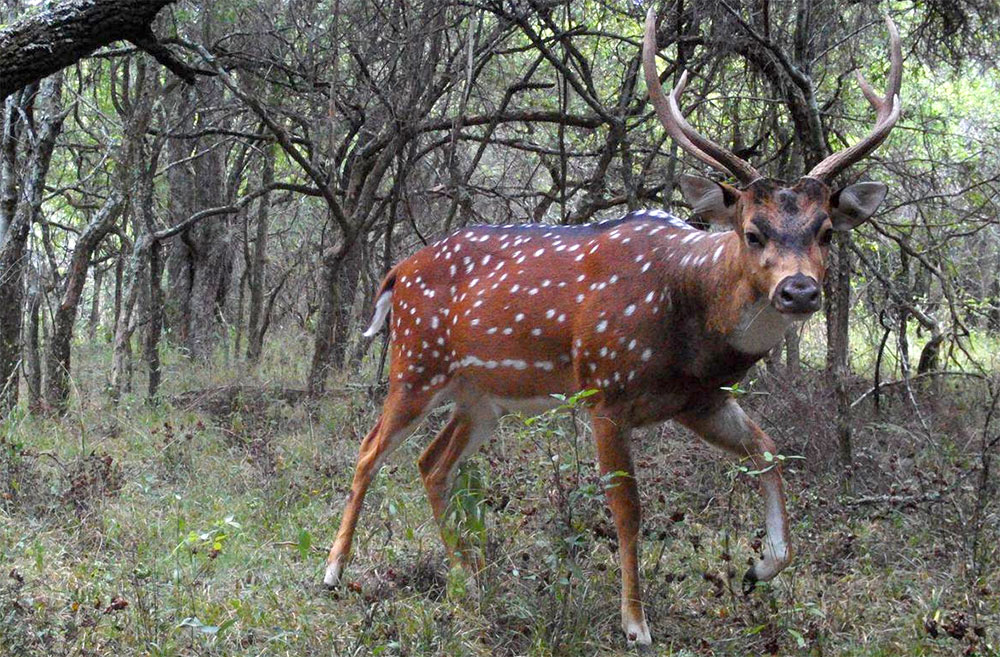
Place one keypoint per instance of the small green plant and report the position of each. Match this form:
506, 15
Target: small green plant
772, 460
210, 541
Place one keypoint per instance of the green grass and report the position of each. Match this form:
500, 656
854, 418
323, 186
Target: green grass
167, 530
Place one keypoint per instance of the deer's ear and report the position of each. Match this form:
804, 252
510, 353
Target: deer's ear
713, 201
852, 205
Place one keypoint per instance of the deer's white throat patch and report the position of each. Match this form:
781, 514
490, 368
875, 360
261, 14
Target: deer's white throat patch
761, 328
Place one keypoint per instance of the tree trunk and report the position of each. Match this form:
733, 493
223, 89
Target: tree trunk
12, 252
57, 362
837, 351
154, 327
325, 325
200, 260
119, 264
33, 361
121, 359
95, 304
211, 259
257, 267
241, 294
9, 172
348, 276
793, 355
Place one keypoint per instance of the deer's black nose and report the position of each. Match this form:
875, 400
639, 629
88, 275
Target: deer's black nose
798, 294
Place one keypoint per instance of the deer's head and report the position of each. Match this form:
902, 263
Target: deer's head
785, 229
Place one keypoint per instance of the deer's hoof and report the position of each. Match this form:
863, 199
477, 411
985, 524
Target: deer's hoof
331, 579
749, 581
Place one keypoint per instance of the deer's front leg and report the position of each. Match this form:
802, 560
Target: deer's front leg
622, 495
728, 427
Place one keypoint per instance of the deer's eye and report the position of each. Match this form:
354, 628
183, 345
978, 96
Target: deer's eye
826, 237
755, 239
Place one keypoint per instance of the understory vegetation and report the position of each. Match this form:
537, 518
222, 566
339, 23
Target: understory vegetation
199, 201
199, 526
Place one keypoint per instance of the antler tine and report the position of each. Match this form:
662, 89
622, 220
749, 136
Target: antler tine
887, 111
740, 168
673, 120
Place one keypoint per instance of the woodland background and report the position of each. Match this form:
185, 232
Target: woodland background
198, 200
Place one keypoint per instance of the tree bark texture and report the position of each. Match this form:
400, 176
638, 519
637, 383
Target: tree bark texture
13, 251
325, 324
47, 42
154, 327
257, 264
8, 161
201, 259
347, 278
838, 349
143, 158
95, 304
57, 362
32, 354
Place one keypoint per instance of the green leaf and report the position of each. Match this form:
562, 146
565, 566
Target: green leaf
799, 639
303, 543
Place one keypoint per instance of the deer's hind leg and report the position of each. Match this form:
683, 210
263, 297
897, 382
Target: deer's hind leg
402, 412
468, 428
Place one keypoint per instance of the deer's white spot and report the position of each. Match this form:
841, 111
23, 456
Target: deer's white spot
718, 253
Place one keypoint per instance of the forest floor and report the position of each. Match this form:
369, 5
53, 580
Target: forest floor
200, 527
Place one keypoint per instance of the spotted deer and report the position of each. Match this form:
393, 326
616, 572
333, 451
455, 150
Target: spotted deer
658, 317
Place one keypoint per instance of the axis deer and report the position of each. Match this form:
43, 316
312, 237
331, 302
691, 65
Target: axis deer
655, 315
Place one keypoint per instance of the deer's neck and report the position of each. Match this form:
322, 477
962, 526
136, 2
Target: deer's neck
741, 316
